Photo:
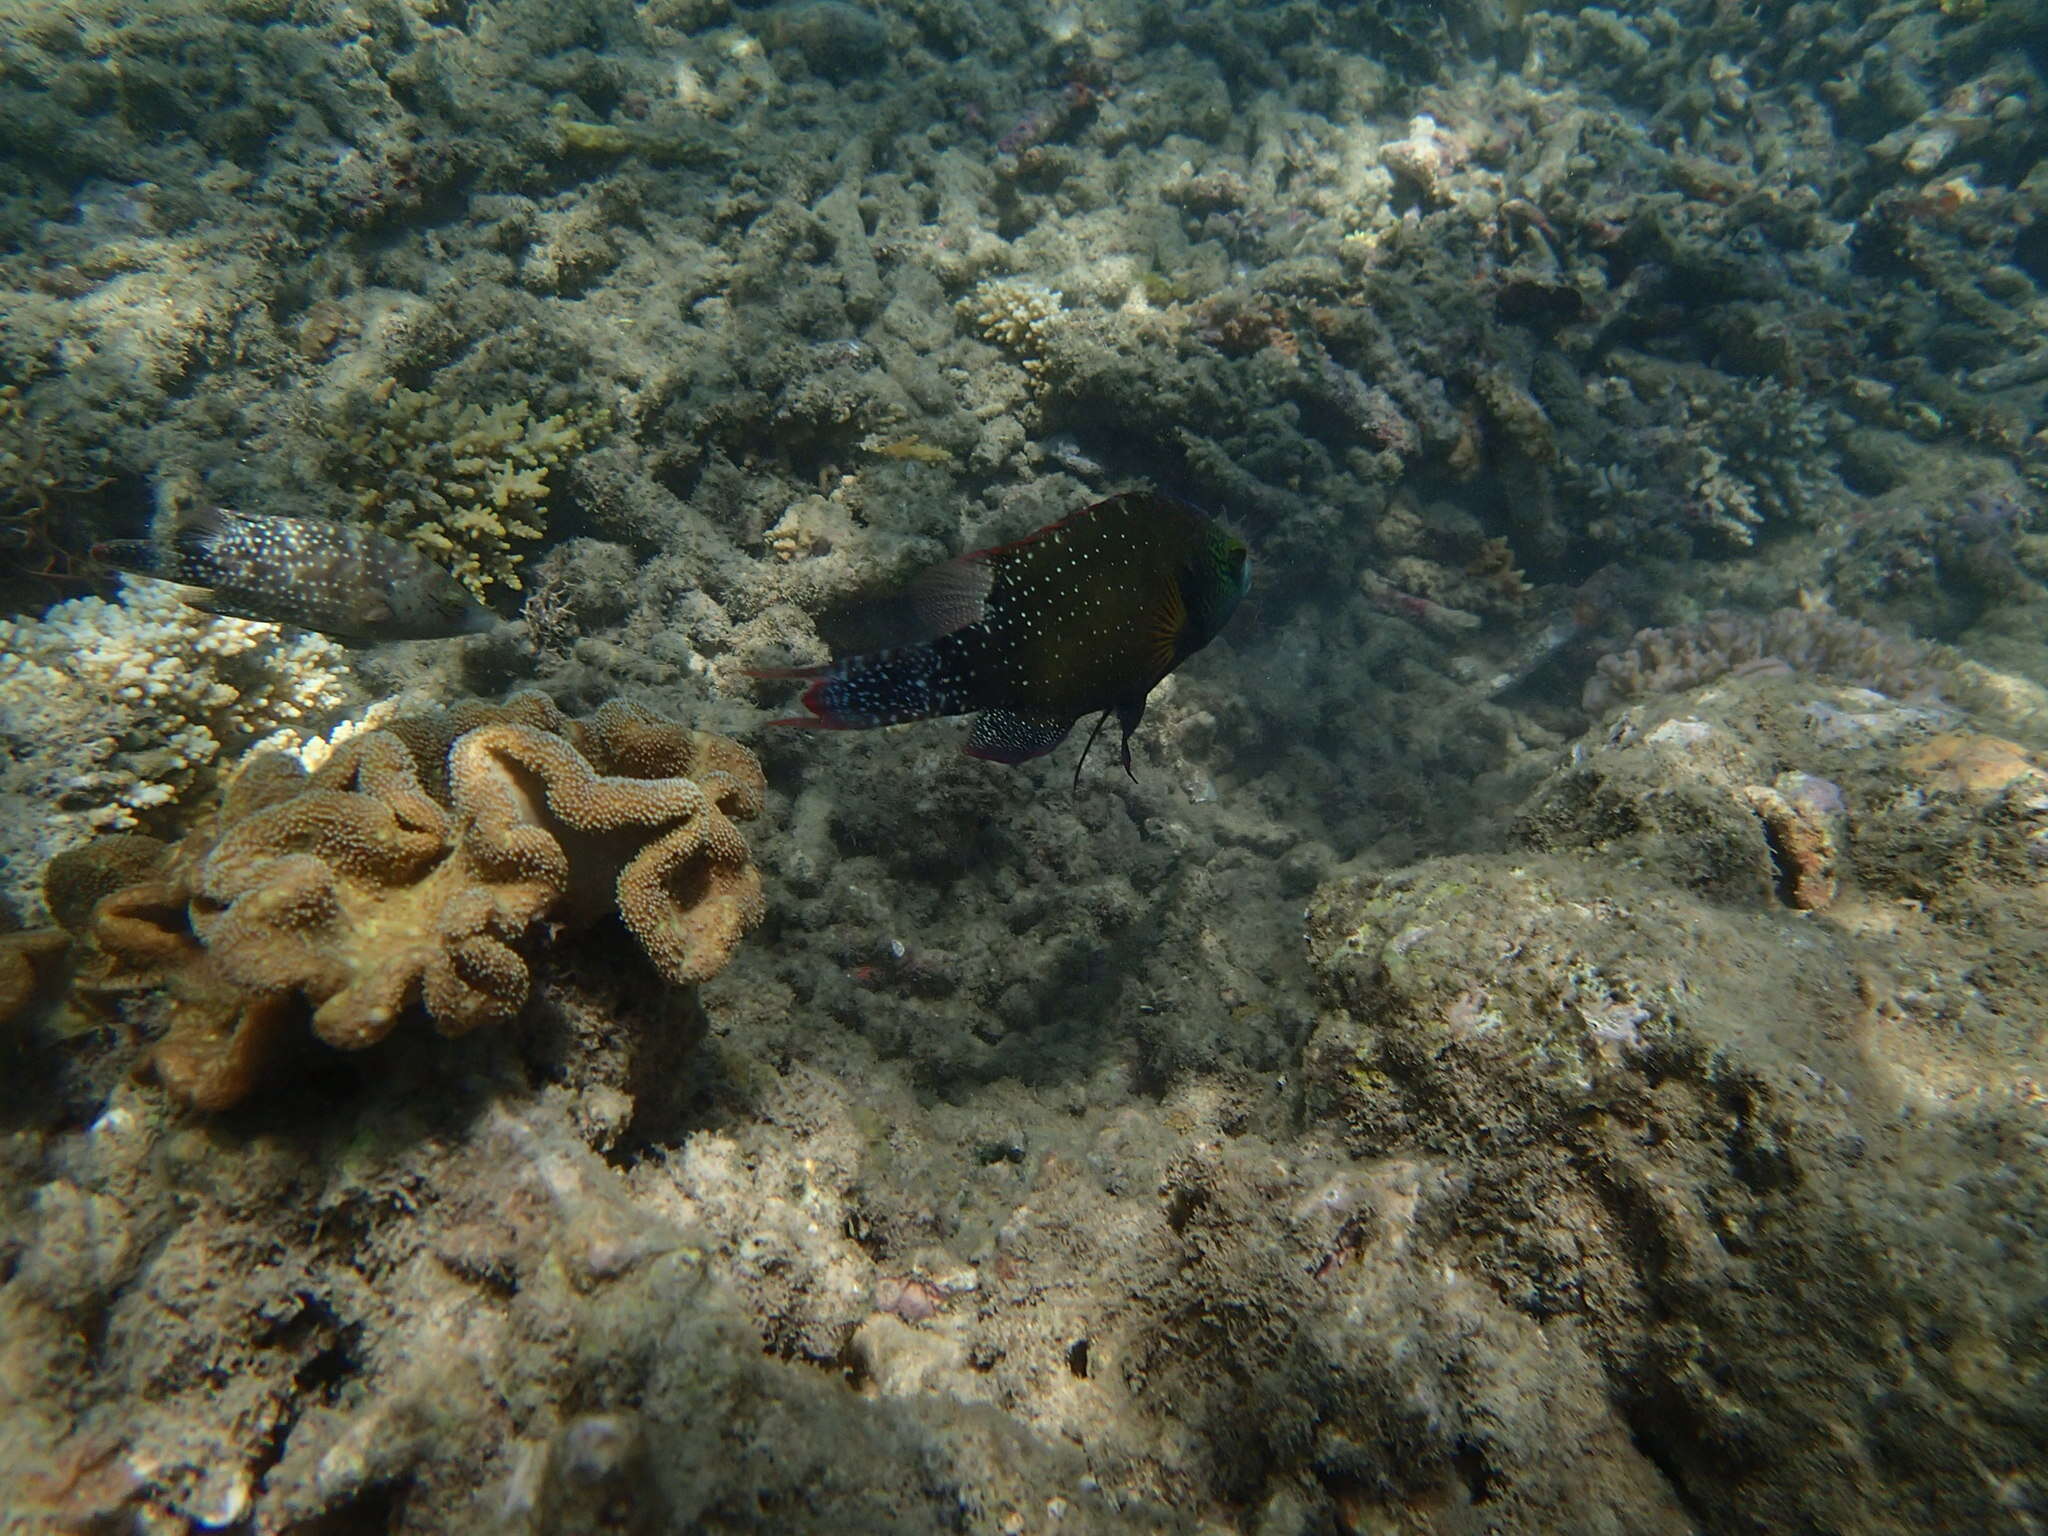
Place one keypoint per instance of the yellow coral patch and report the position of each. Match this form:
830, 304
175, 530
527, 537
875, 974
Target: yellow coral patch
465, 483
914, 449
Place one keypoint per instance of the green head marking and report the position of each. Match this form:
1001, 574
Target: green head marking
1222, 574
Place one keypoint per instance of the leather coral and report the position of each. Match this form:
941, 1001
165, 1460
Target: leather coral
413, 869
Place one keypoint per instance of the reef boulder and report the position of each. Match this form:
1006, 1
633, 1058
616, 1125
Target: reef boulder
1732, 1069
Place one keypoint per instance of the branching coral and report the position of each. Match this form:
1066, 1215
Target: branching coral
410, 869
1793, 639
1017, 316
464, 483
110, 711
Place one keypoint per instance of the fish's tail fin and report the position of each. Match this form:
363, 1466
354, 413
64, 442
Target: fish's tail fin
145, 557
811, 675
187, 557
886, 688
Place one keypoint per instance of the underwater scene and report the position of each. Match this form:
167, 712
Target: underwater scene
1023, 766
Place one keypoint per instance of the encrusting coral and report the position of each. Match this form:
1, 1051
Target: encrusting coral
408, 870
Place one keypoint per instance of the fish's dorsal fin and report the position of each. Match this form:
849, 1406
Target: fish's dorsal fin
204, 520
952, 594
198, 527
1006, 736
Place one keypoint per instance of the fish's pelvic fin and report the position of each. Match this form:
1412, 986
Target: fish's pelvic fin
1128, 717
1005, 736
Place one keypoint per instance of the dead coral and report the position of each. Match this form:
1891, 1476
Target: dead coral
1982, 767
409, 870
1790, 640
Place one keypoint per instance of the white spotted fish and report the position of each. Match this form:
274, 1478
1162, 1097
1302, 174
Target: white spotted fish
1083, 617
338, 578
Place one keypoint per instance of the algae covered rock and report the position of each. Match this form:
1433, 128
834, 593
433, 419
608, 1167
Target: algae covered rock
1735, 1145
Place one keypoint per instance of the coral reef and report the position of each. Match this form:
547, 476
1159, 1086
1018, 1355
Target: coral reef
1017, 316
409, 869
1660, 1156
1577, 1136
113, 714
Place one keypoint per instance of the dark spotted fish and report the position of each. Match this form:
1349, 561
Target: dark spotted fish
1083, 617
338, 578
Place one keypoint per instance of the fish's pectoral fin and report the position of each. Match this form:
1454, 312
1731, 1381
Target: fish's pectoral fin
198, 526
951, 595
1168, 622
1005, 736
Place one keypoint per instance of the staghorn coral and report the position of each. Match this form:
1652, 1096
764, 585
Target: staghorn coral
462, 482
408, 871
111, 712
